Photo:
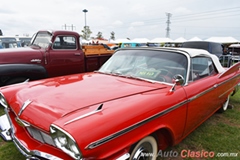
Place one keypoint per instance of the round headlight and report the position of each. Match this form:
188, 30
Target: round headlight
73, 147
62, 138
3, 101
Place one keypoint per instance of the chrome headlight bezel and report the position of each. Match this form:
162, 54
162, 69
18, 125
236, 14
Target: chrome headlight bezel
3, 101
64, 141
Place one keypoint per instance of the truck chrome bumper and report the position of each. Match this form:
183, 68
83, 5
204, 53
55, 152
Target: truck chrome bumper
7, 135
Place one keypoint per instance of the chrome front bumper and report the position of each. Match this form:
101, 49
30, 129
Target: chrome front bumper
5, 128
7, 134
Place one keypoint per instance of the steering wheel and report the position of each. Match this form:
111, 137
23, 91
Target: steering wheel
165, 75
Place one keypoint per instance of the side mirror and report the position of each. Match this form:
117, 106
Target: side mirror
178, 81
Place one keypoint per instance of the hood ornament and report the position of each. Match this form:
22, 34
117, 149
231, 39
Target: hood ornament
24, 106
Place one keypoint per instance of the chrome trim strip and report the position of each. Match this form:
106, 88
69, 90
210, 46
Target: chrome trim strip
29, 153
201, 94
25, 104
25, 151
5, 128
134, 126
212, 88
225, 92
124, 157
226, 82
52, 131
21, 122
230, 79
99, 109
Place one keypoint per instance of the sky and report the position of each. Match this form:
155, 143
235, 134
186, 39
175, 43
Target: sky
126, 18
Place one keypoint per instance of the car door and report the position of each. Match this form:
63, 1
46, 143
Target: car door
65, 57
201, 92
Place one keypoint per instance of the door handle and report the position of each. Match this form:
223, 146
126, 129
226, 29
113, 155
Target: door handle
77, 54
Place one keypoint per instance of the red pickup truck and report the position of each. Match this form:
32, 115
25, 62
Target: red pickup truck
50, 54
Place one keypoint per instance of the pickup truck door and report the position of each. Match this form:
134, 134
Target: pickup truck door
65, 57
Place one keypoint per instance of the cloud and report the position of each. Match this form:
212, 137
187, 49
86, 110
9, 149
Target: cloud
181, 10
117, 23
126, 18
137, 24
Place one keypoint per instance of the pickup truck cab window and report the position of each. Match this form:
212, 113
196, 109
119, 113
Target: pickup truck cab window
65, 42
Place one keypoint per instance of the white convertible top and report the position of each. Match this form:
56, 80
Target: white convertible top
200, 52
192, 53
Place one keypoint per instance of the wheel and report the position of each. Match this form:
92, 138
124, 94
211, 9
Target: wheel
224, 106
146, 149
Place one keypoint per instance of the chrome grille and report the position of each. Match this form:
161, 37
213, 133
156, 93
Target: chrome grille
40, 136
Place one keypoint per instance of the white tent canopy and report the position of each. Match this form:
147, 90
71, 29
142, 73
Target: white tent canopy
195, 39
179, 40
121, 40
222, 39
140, 40
161, 40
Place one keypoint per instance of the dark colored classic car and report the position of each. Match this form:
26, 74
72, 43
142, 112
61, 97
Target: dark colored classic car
234, 51
140, 101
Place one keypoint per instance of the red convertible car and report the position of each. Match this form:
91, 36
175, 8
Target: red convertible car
140, 101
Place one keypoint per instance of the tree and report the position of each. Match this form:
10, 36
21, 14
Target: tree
112, 35
86, 33
99, 35
1, 32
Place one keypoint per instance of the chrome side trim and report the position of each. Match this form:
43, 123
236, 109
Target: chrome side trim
25, 104
212, 88
230, 79
201, 94
132, 127
124, 157
229, 88
99, 109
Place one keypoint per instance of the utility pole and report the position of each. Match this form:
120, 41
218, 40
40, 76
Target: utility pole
168, 25
66, 27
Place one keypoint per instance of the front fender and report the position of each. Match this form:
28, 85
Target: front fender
28, 71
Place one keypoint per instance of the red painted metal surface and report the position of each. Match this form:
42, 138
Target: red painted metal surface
129, 110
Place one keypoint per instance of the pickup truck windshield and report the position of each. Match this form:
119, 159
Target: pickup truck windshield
42, 40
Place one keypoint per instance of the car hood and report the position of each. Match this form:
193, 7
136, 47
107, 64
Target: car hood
19, 55
55, 98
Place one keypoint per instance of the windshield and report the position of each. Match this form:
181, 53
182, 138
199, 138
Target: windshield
150, 65
42, 40
8, 42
